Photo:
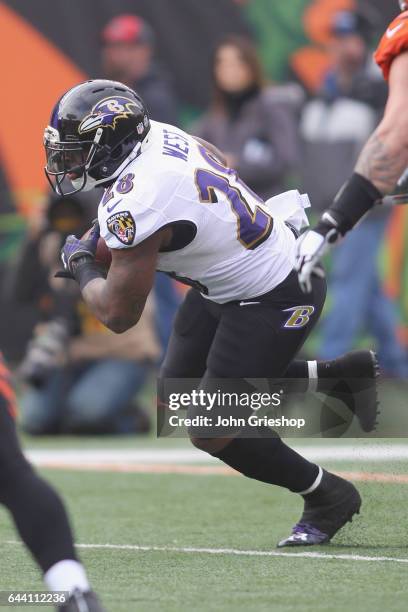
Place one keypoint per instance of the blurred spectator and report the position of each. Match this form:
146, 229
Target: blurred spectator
128, 56
339, 120
81, 377
334, 127
248, 120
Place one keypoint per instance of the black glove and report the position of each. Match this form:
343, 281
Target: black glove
76, 250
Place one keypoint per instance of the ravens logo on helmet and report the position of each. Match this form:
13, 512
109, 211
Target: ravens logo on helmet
94, 129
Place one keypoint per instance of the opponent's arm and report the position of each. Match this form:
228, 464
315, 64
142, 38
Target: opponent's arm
385, 156
382, 160
380, 165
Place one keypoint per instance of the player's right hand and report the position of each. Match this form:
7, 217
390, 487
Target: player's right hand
76, 248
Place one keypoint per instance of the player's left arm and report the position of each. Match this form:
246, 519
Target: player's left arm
119, 299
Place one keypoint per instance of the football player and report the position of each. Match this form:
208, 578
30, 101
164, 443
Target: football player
381, 164
38, 513
171, 204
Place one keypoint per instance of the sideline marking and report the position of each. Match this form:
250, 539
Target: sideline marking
194, 462
374, 452
201, 470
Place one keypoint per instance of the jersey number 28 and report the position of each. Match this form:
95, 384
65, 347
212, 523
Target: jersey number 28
253, 226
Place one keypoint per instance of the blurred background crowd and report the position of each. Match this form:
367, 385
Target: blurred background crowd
288, 91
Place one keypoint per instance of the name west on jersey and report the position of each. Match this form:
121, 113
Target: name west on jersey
175, 145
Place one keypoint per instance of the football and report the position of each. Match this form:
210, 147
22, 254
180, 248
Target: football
103, 256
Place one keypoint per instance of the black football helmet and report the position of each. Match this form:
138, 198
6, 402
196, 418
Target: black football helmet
96, 129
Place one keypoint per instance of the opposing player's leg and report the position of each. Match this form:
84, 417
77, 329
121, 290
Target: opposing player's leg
259, 340
38, 513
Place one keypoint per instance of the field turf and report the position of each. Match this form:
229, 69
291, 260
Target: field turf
170, 514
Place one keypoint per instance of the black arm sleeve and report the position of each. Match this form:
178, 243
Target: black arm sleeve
357, 196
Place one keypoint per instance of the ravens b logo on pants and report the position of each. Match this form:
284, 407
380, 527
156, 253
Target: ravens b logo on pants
300, 316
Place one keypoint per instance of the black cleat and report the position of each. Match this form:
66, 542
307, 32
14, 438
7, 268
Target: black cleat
326, 511
81, 602
356, 387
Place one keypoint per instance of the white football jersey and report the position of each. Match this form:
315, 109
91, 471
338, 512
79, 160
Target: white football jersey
226, 242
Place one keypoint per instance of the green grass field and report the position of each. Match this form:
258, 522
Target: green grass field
174, 512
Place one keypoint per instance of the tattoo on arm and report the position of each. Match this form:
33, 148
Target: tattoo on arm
380, 164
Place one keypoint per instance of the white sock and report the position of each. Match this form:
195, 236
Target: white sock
313, 377
314, 486
66, 576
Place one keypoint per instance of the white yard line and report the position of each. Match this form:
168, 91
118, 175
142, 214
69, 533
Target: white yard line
235, 552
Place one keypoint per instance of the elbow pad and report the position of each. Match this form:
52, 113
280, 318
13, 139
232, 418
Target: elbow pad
357, 196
